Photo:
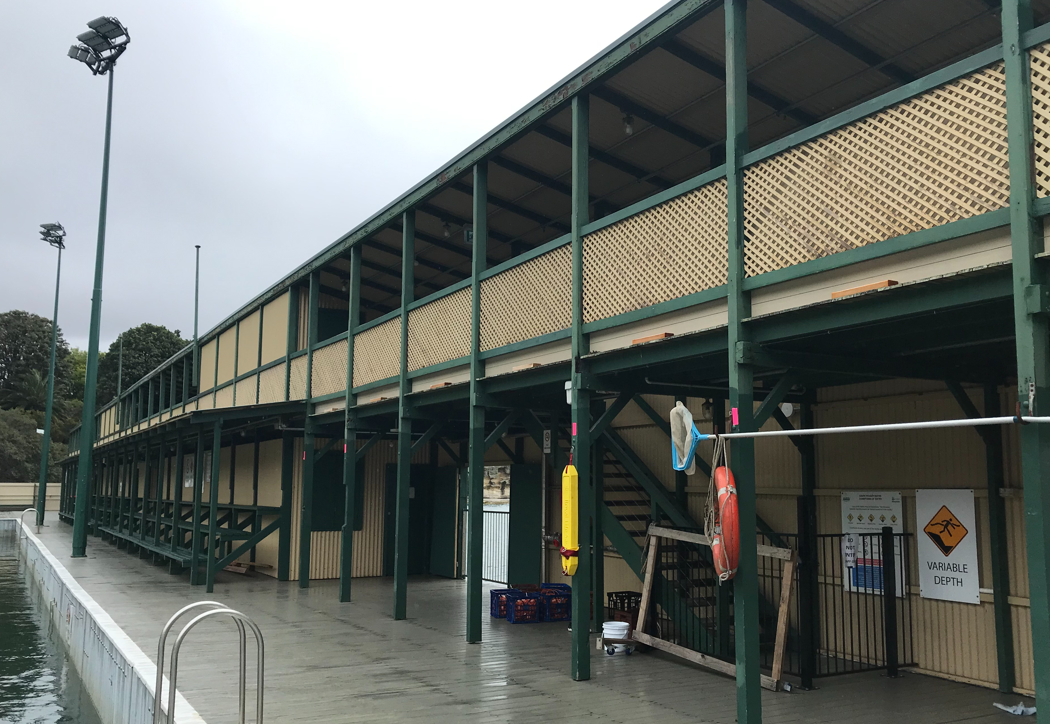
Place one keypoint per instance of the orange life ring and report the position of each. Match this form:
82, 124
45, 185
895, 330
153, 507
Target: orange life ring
725, 544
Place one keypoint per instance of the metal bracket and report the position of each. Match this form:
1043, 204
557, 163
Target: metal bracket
1037, 299
745, 353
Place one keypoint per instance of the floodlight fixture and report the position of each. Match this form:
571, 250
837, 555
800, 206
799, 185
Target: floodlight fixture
101, 45
54, 235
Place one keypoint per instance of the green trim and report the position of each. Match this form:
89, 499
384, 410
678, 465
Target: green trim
527, 343
439, 367
671, 305
331, 340
300, 353
879, 103
441, 293
879, 249
392, 314
656, 199
527, 256
386, 382
330, 396
1041, 207
1035, 36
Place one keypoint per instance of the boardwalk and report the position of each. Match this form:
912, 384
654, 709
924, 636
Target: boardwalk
352, 663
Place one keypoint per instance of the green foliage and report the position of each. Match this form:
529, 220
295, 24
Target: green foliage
28, 391
25, 347
20, 449
145, 348
78, 370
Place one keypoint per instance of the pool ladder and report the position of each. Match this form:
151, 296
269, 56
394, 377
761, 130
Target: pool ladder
215, 609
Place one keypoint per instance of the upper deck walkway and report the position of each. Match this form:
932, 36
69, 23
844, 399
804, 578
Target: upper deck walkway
331, 662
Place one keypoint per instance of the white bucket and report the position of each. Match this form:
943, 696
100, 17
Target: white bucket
616, 630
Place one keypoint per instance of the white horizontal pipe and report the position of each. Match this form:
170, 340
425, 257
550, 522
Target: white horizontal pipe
927, 425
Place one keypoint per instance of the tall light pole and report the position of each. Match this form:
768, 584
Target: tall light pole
54, 235
104, 42
196, 309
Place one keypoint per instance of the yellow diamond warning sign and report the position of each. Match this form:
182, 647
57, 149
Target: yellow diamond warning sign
945, 530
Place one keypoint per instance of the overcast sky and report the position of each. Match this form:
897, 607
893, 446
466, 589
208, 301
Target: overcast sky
261, 130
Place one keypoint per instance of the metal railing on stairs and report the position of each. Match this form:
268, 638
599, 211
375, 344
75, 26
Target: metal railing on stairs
215, 609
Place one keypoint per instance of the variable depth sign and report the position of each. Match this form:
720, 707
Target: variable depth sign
947, 545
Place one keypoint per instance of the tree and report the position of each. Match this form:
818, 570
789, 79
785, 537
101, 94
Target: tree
28, 392
25, 347
145, 348
20, 449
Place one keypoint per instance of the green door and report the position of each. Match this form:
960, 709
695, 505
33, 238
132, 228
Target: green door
524, 558
445, 504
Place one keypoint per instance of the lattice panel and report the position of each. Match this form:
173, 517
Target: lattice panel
663, 253
439, 331
329, 375
527, 301
377, 352
1040, 68
271, 385
224, 397
927, 161
297, 379
246, 392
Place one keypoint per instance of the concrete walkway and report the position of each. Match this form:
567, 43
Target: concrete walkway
332, 662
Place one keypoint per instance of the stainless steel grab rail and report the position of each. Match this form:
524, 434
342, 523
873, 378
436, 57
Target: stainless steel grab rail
21, 519
239, 619
237, 616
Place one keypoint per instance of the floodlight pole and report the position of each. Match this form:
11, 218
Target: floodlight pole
45, 445
196, 309
87, 420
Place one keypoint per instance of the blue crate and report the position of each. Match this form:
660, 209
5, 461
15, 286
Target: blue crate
556, 608
524, 609
498, 598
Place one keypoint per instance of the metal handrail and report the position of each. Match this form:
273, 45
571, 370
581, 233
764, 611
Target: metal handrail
157, 692
239, 618
21, 519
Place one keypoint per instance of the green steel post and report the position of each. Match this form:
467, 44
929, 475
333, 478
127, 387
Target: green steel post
681, 480
145, 491
404, 426
45, 446
284, 535
597, 535
581, 397
808, 552
293, 337
306, 516
195, 530
1004, 635
1031, 334
237, 356
741, 377
176, 494
350, 481
162, 459
87, 419
120, 365
476, 429
213, 504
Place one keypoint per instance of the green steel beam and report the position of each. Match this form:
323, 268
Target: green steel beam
284, 536
1031, 333
653, 118
213, 505
476, 425
741, 376
607, 158
774, 398
580, 663
609, 414
404, 425
350, 453
309, 461
493, 437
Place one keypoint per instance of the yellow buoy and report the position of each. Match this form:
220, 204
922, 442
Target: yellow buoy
570, 520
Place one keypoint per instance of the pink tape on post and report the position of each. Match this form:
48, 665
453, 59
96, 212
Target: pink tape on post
574, 429
736, 416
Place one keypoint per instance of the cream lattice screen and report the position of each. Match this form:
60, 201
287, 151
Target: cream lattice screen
246, 391
271, 385
439, 331
377, 352
1040, 69
662, 253
329, 375
297, 378
527, 301
930, 160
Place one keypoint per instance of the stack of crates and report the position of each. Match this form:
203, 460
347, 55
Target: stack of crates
556, 602
498, 601
523, 607
623, 606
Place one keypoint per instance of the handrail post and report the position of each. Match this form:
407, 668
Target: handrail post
889, 599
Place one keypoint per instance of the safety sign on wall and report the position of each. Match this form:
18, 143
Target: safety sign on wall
947, 545
864, 514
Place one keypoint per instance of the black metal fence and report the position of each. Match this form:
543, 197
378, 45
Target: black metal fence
849, 610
